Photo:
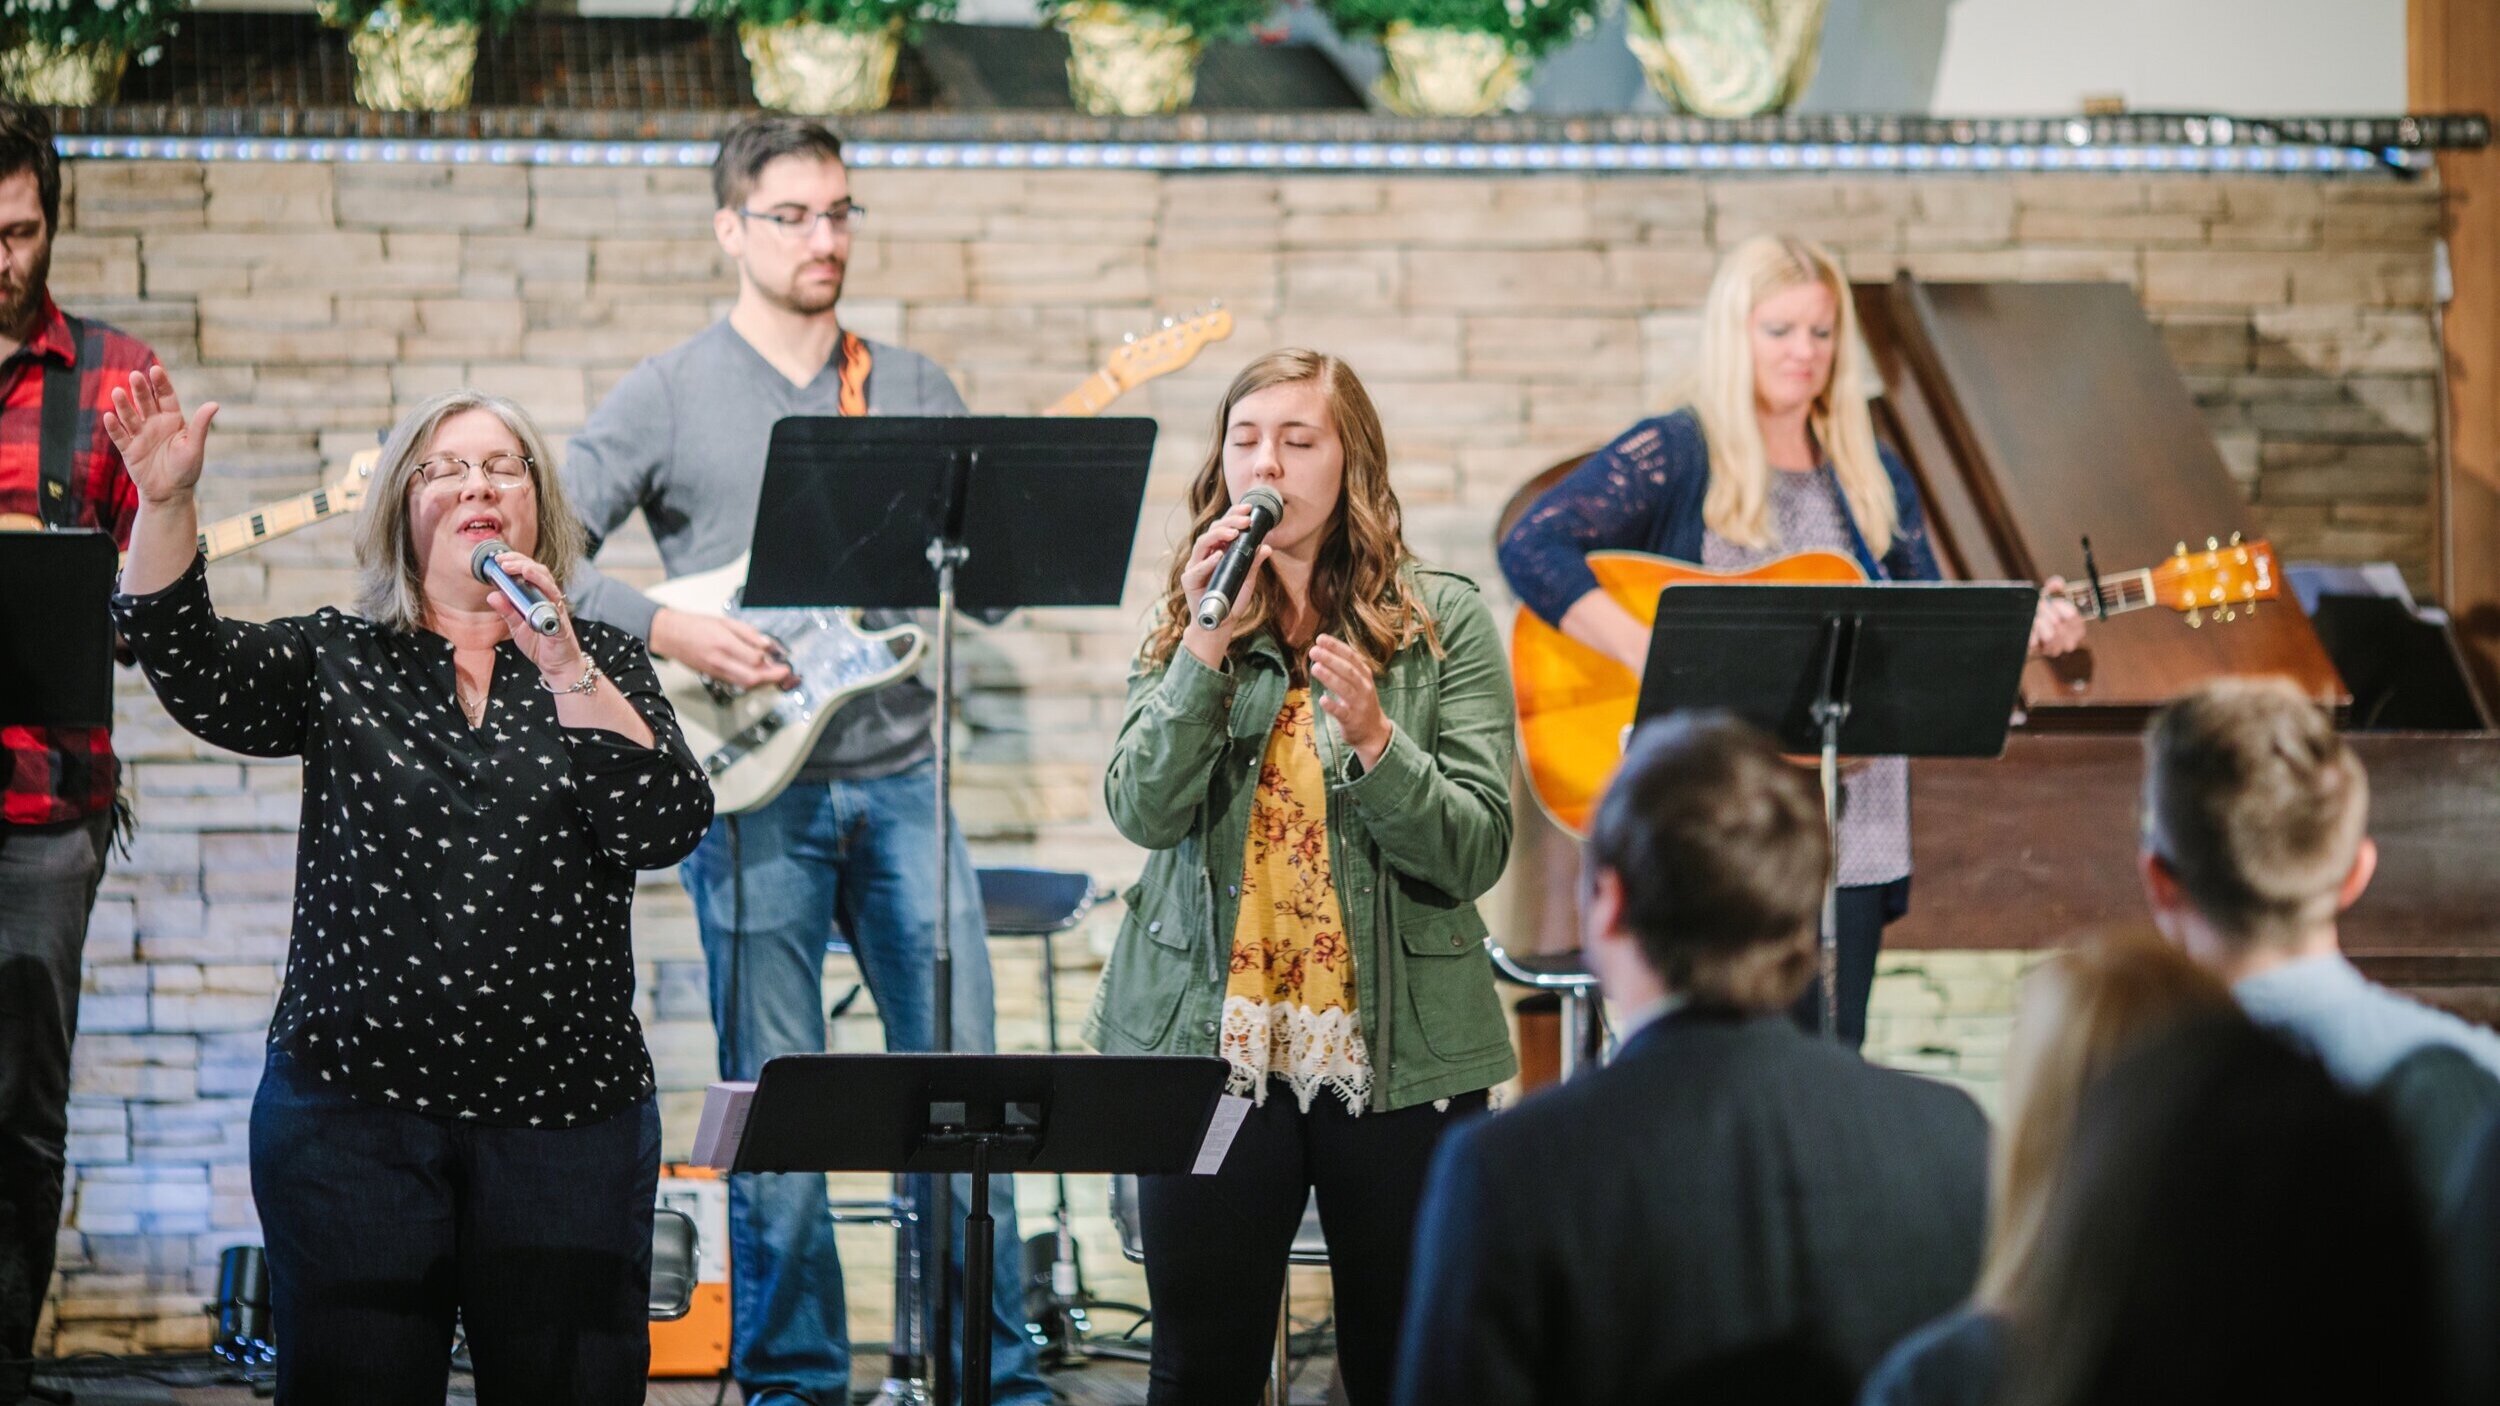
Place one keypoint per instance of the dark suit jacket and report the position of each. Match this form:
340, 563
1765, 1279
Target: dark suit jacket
1731, 1211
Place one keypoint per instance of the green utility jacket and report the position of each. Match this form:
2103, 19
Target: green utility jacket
1412, 842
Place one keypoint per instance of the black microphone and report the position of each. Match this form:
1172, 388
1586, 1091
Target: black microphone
537, 609
1266, 506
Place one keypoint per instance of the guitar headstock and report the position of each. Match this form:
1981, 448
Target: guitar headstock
2225, 578
347, 491
1168, 348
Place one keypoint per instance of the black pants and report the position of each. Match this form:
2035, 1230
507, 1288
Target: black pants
1864, 912
383, 1224
1216, 1245
48, 879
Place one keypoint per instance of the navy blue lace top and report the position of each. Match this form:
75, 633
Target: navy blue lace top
1643, 493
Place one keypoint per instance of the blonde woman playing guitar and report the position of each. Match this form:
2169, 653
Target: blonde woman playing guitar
1773, 455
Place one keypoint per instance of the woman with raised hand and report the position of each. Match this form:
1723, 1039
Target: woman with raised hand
1323, 777
456, 1120
1772, 453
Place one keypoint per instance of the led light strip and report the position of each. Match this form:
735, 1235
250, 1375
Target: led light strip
2185, 158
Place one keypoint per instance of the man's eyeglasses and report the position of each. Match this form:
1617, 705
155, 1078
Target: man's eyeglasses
501, 470
798, 224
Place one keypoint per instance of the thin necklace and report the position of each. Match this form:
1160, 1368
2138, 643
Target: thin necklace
475, 713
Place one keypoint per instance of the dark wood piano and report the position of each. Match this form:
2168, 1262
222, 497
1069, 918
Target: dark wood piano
2035, 416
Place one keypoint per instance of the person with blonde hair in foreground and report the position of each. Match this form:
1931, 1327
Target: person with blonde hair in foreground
2077, 1013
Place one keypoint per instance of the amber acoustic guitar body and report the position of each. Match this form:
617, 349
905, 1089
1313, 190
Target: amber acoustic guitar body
1574, 702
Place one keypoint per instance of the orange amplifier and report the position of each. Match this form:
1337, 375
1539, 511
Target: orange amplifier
697, 1345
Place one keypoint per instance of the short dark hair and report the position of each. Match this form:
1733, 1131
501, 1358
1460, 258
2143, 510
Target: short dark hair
746, 149
26, 145
1720, 845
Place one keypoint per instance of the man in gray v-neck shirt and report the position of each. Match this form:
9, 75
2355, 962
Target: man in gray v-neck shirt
847, 851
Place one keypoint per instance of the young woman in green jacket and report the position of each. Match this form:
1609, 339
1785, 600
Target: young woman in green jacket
1324, 781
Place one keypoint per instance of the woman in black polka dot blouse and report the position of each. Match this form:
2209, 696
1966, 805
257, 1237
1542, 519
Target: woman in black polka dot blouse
457, 1115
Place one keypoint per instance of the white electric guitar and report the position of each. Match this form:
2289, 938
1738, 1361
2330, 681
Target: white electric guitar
752, 741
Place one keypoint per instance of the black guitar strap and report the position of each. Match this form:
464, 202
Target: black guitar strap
55, 499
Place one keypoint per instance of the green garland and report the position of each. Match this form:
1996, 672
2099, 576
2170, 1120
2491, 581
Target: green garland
136, 27
860, 16
386, 14
1205, 19
1532, 27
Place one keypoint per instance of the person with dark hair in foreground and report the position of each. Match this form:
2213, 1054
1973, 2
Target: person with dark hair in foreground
2229, 1226
1732, 1210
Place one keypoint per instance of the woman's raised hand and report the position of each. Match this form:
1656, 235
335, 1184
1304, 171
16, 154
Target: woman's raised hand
161, 450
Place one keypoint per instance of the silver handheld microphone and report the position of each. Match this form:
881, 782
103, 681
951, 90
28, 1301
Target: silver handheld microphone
537, 609
1266, 507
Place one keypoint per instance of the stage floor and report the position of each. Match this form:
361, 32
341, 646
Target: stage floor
1098, 1384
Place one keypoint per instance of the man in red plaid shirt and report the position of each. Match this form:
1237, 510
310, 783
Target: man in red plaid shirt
57, 785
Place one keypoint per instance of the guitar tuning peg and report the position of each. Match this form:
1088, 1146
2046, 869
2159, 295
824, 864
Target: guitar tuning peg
1128, 339
2235, 539
2229, 615
2181, 549
2213, 544
1167, 322
1214, 303
2196, 619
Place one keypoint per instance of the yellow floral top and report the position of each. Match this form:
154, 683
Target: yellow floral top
1289, 1007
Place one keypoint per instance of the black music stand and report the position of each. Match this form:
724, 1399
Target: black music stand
1898, 669
958, 512
56, 633
945, 1113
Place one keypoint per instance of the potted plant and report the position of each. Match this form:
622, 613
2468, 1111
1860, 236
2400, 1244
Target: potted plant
823, 56
1131, 58
1726, 58
1459, 58
415, 55
71, 53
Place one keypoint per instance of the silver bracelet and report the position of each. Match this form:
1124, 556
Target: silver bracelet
590, 678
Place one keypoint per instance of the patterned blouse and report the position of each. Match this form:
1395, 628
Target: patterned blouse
1289, 1007
460, 942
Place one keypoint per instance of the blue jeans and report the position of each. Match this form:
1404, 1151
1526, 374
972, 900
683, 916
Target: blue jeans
771, 888
383, 1224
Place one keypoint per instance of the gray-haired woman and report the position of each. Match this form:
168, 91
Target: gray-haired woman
456, 1118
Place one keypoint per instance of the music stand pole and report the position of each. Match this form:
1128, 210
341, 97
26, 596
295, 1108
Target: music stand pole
1830, 710
947, 554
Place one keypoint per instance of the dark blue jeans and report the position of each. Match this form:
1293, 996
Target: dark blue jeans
48, 879
383, 1225
771, 889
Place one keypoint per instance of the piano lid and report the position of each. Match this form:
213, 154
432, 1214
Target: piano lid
2034, 415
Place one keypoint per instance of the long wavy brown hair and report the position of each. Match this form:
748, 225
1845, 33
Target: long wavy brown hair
1360, 587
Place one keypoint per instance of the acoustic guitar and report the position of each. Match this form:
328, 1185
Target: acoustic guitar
246, 530
1574, 703
752, 741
